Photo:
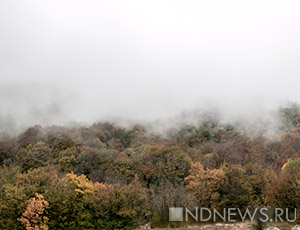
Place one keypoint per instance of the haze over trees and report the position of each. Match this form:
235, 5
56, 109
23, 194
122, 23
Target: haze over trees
105, 176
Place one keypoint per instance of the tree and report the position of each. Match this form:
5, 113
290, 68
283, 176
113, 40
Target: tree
34, 216
120, 206
206, 185
34, 155
158, 163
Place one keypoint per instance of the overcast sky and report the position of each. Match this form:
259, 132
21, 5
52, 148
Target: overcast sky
89, 59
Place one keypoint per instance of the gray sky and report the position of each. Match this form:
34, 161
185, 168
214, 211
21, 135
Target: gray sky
88, 59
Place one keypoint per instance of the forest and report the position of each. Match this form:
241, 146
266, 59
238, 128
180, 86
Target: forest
106, 176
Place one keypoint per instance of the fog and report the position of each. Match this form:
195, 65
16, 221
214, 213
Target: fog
64, 61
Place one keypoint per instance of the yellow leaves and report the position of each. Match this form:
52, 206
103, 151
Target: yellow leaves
67, 160
83, 185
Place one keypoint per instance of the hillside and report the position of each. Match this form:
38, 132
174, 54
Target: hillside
105, 176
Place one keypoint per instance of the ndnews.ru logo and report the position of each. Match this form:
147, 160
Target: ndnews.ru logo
232, 214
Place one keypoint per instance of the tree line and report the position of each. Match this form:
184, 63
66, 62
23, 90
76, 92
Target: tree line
105, 176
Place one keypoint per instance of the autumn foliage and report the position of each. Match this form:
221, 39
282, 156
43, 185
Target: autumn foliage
33, 218
105, 176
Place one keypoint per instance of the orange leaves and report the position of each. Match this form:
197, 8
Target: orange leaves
205, 184
33, 218
216, 178
213, 178
103, 188
196, 174
291, 166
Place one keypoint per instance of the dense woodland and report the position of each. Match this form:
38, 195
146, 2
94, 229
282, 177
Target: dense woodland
106, 176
